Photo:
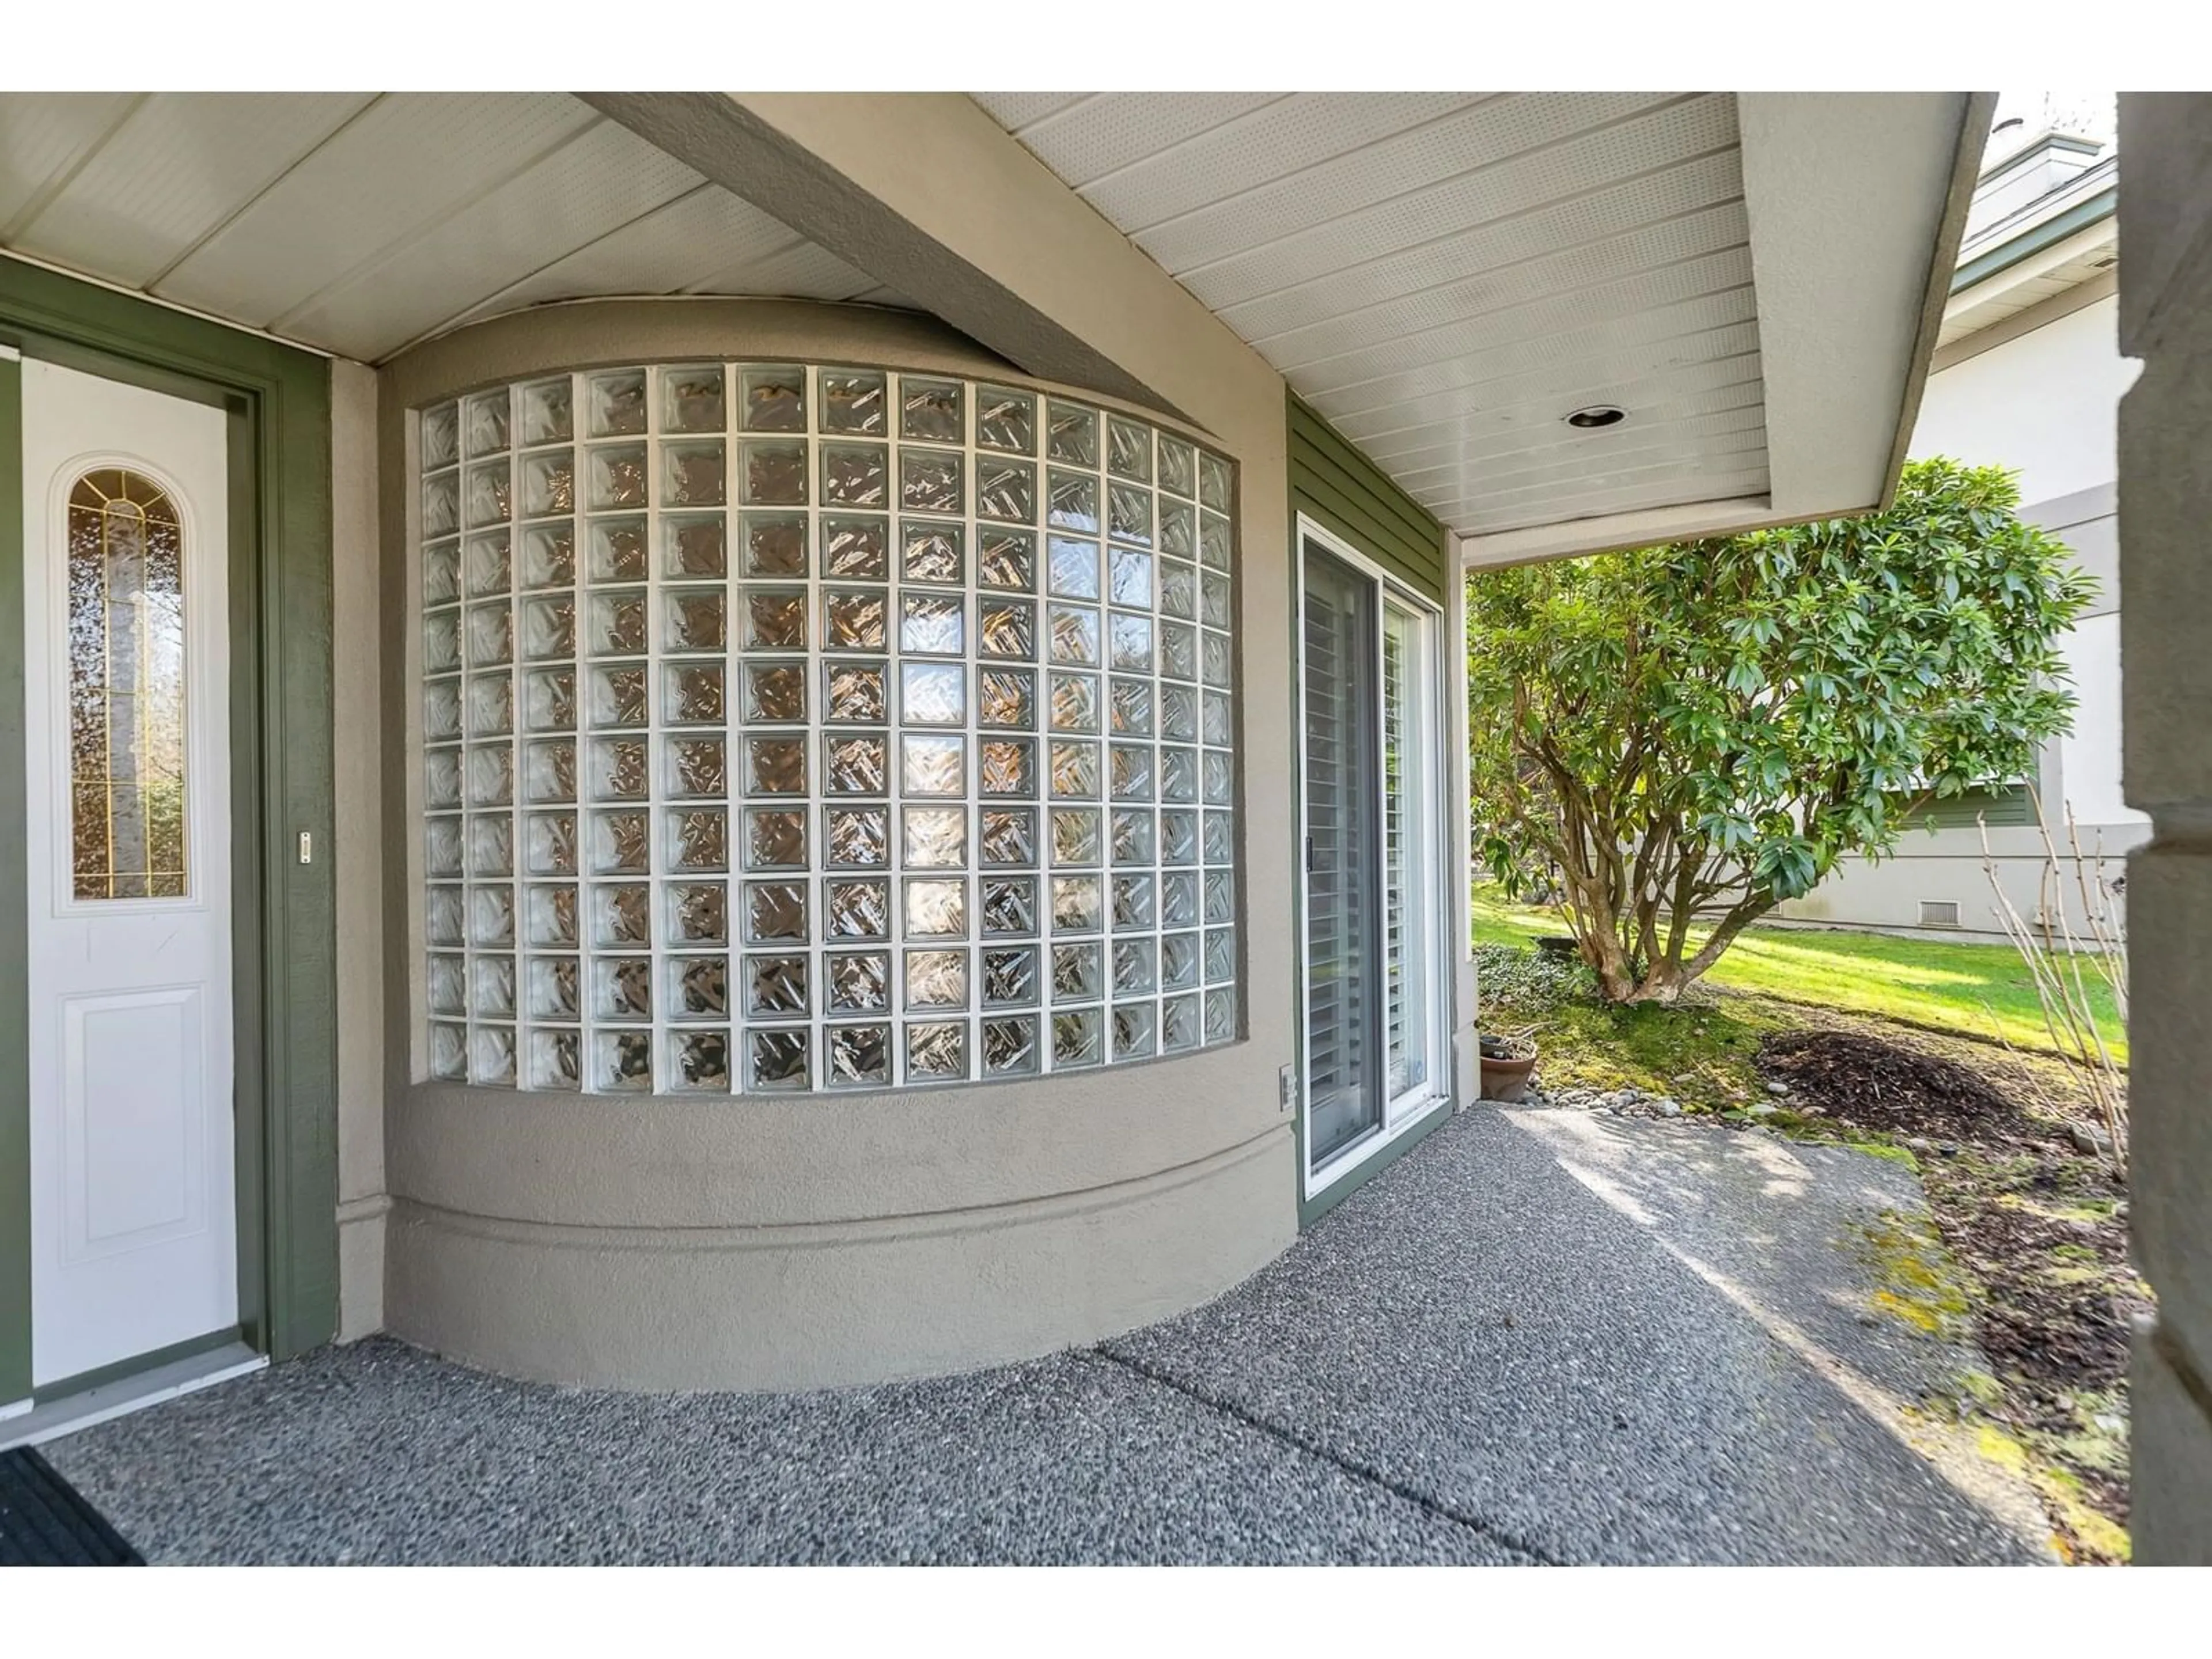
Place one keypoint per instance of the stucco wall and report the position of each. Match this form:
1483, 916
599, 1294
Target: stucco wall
783, 1242
357, 847
2166, 501
2043, 404
2090, 754
1887, 895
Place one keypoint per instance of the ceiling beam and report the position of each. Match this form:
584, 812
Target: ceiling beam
1610, 532
1857, 202
928, 195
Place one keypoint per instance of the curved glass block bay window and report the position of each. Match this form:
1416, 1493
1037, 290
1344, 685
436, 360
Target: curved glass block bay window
797, 728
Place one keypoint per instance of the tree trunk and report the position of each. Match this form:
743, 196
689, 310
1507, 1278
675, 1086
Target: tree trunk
1664, 979
1597, 928
1663, 984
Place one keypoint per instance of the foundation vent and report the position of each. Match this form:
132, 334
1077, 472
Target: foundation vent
1939, 912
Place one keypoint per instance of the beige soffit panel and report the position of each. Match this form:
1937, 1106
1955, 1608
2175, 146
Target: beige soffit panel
1735, 440
176, 169
405, 164
1674, 258
2007, 323
1728, 386
45, 137
360, 223
799, 270
1443, 276
1283, 215
1107, 134
1843, 343
588, 188
2039, 277
705, 241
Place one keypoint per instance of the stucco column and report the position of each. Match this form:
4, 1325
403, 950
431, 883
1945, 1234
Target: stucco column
356, 673
2166, 562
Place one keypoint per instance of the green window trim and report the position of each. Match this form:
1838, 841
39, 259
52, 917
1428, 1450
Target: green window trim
277, 398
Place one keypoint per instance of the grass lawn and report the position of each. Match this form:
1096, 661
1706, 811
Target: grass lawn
1976, 990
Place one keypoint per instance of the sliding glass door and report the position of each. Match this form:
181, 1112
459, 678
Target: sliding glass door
1368, 685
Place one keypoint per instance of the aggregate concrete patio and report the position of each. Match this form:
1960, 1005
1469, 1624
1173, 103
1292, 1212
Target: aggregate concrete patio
1540, 1338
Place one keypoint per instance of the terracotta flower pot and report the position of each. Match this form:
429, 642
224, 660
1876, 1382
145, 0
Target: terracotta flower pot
1504, 1080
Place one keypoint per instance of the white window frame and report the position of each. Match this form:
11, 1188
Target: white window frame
1413, 1106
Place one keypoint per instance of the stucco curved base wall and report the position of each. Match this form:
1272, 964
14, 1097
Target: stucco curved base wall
830, 1304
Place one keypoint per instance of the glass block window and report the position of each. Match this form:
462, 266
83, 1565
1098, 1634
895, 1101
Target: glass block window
792, 728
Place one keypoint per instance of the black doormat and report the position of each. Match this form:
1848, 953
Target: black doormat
46, 1523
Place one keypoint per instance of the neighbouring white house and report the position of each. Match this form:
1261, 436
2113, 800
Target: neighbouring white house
2028, 375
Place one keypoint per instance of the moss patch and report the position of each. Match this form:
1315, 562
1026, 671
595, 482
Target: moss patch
1916, 1282
2089, 1535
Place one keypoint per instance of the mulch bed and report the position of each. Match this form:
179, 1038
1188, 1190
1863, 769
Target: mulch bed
2060, 1289
2064, 1339
1886, 1088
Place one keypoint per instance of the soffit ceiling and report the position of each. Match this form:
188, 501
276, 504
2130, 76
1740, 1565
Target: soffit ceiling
359, 223
1443, 276
1446, 275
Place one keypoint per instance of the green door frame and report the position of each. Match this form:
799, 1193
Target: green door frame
278, 399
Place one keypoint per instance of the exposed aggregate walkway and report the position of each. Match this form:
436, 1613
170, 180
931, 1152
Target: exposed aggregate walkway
1534, 1340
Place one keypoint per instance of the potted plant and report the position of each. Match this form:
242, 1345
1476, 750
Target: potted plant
1507, 1059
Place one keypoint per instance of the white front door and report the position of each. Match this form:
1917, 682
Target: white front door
126, 675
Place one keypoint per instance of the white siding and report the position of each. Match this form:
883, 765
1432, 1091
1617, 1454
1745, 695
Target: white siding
2089, 760
2045, 404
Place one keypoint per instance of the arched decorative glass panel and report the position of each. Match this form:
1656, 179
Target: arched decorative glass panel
126, 688
797, 728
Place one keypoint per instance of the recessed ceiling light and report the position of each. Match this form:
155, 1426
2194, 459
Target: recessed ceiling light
1597, 415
